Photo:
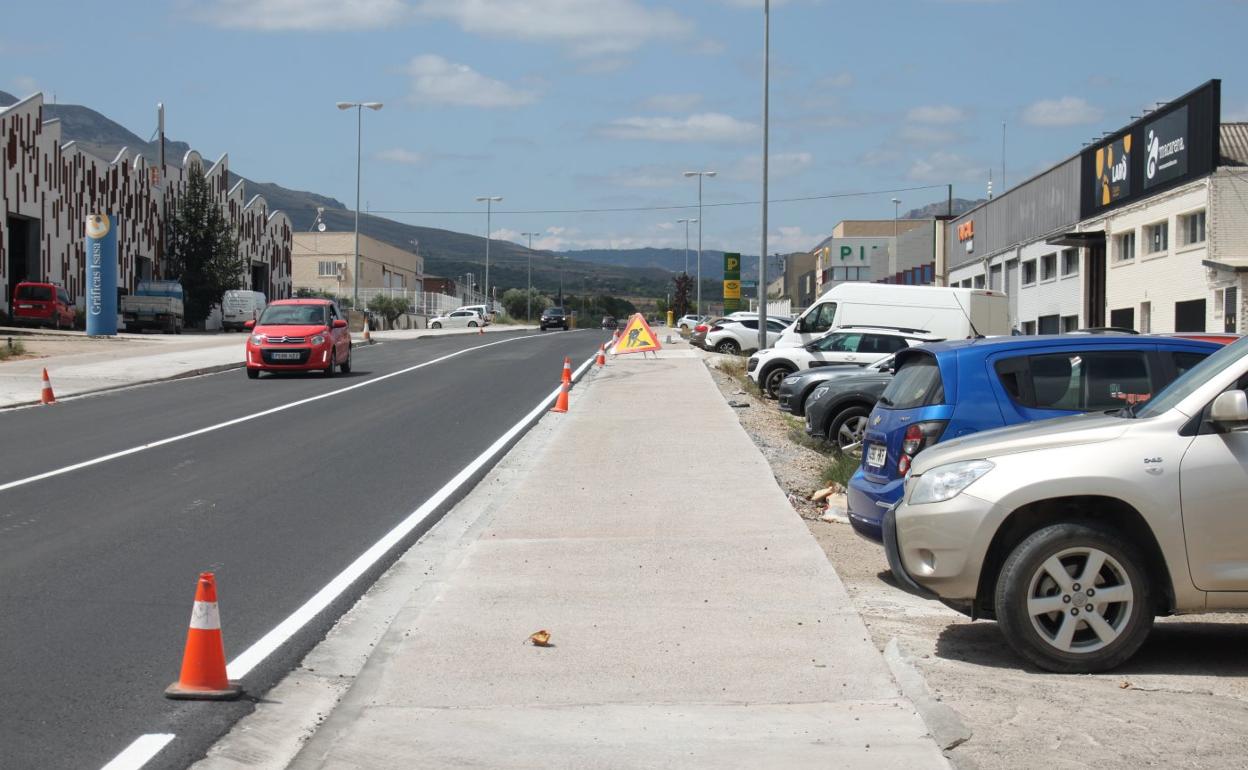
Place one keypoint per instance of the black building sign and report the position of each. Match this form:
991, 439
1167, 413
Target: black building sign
1174, 145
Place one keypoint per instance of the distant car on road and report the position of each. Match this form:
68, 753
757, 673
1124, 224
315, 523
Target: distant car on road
609, 322
552, 318
485, 315
42, 304
457, 319
298, 335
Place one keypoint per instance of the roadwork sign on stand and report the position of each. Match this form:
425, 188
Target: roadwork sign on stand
637, 337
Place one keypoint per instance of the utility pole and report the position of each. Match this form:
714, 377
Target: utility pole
528, 297
489, 201
699, 175
359, 133
762, 254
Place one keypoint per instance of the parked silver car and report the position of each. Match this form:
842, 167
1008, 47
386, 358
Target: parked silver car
1074, 533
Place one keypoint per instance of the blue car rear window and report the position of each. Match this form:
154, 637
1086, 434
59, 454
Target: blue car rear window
917, 383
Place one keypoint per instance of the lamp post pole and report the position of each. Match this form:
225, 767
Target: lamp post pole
699, 175
489, 201
528, 297
896, 266
359, 143
686, 222
762, 254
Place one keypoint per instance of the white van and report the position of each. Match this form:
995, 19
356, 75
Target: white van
239, 306
945, 312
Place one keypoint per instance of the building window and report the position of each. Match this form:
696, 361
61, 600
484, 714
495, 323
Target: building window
979, 282
994, 278
1192, 228
1146, 318
1070, 323
1070, 262
1050, 324
1189, 316
1029, 272
1157, 237
327, 269
1230, 315
1029, 328
1124, 247
1123, 318
1048, 267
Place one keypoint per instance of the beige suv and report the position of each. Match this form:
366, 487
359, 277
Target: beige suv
1074, 533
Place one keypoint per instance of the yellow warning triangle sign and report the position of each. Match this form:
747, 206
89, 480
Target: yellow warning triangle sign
637, 337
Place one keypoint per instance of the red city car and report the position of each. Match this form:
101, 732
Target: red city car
42, 304
298, 335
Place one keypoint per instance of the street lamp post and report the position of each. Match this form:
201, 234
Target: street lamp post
699, 175
686, 223
896, 210
762, 254
528, 297
489, 201
359, 131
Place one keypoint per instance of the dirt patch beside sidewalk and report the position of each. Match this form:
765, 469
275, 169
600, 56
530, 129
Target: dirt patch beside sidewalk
1181, 702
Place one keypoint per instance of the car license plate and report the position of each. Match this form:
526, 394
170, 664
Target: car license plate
285, 356
25, 307
876, 454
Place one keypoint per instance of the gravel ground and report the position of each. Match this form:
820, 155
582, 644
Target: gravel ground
1182, 702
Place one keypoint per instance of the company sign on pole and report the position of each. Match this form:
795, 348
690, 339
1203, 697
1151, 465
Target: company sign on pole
732, 282
101, 287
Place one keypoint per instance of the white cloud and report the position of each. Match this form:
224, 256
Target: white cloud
790, 239
25, 85
584, 27
783, 164
438, 81
672, 102
645, 177
947, 167
399, 155
1066, 111
927, 135
302, 15
940, 114
702, 127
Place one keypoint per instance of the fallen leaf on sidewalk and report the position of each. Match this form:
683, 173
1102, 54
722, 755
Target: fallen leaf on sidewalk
541, 638
1124, 686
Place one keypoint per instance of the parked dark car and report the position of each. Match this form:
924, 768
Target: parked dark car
838, 409
554, 318
609, 322
795, 390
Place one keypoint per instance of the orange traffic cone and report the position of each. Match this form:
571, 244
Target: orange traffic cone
203, 663
561, 403
567, 371
367, 337
481, 329
601, 360
46, 396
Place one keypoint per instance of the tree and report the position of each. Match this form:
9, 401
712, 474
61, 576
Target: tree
516, 304
680, 297
201, 248
389, 308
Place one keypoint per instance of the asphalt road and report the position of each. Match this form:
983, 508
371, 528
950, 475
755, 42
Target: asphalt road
98, 565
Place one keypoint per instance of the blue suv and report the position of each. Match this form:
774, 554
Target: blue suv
950, 389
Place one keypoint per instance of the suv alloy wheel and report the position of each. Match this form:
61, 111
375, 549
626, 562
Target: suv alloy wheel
729, 347
846, 430
1074, 598
775, 375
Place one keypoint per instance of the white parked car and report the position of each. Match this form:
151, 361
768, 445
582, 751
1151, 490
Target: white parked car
239, 306
478, 309
734, 336
687, 322
860, 345
457, 319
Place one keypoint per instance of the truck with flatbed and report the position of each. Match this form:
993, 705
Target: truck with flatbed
154, 305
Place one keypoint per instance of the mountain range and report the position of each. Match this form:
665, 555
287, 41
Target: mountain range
645, 272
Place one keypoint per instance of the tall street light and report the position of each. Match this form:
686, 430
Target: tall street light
699, 175
489, 201
686, 223
896, 210
762, 254
528, 297
359, 130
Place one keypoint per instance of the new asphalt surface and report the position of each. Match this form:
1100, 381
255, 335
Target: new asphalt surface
98, 564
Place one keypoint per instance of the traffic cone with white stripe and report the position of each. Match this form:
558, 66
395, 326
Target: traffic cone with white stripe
601, 360
561, 403
567, 371
47, 397
203, 662
368, 338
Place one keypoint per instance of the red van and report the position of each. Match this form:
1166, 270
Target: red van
42, 304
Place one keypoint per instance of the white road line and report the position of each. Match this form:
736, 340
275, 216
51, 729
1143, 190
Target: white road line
140, 752
246, 418
253, 655
274, 639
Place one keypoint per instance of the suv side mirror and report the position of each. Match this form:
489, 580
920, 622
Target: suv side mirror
1230, 410
249, 324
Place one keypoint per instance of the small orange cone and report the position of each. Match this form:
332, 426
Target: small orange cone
601, 360
46, 396
567, 371
481, 329
367, 337
561, 403
203, 663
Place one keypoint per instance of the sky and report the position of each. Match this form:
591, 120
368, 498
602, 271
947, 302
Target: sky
560, 105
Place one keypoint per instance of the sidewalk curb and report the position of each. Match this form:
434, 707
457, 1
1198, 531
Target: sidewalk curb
943, 722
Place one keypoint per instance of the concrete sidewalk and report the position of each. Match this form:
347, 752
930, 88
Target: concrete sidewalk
134, 359
695, 621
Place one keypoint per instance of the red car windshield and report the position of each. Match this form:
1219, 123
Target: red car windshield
293, 315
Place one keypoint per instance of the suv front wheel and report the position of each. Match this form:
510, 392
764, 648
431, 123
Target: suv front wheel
1074, 598
775, 375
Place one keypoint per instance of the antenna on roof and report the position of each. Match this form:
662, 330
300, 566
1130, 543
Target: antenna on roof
990, 183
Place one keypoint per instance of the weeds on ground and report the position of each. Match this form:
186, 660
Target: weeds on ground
12, 348
735, 368
797, 434
838, 469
